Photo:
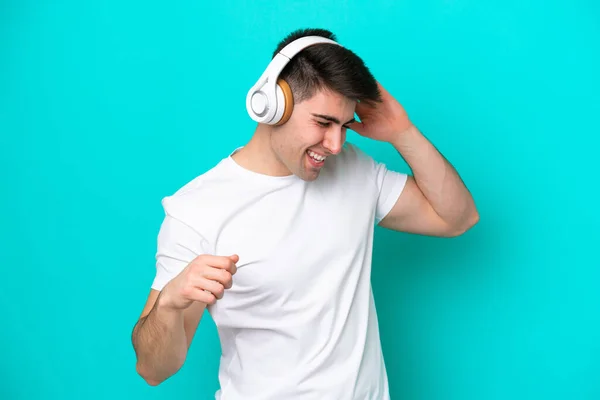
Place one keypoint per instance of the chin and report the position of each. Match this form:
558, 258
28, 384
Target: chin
309, 175
310, 178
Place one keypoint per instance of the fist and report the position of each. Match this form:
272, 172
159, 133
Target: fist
204, 280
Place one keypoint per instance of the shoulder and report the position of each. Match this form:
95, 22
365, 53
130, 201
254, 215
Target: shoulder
353, 154
359, 166
353, 162
199, 194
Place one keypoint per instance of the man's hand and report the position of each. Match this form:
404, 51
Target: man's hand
434, 200
204, 280
164, 332
383, 121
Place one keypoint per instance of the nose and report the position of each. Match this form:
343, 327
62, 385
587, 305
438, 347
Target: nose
334, 140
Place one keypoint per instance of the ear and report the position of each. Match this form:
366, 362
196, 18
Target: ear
288, 100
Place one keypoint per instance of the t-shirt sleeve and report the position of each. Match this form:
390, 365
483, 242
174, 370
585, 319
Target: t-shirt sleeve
389, 183
177, 245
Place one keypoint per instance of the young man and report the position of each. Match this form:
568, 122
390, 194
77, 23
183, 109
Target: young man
275, 241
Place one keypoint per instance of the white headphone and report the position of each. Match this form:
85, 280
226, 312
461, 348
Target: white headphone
270, 100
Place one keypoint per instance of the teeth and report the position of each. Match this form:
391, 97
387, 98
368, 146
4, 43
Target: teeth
315, 156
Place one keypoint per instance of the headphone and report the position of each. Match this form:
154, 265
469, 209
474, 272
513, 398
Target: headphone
270, 100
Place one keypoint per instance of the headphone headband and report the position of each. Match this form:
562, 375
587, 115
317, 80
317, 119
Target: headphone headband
261, 101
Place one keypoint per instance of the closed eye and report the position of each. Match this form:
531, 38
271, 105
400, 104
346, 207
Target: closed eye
329, 118
327, 124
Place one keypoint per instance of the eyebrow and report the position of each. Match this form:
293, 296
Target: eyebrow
332, 119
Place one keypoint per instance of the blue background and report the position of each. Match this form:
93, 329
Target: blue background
108, 106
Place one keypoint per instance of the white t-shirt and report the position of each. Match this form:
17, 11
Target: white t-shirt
299, 321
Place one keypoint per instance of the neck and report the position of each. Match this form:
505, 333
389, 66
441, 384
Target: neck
258, 156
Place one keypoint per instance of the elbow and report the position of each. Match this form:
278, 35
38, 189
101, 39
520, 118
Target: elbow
148, 377
153, 382
468, 223
157, 369
145, 376
472, 220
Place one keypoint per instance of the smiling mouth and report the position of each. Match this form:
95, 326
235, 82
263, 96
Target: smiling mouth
316, 159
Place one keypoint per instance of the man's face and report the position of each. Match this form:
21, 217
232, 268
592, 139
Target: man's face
316, 130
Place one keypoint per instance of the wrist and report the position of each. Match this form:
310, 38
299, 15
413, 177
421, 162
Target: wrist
164, 308
404, 137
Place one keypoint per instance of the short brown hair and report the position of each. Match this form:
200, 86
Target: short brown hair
327, 65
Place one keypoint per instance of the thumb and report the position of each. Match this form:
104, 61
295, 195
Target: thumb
234, 258
357, 127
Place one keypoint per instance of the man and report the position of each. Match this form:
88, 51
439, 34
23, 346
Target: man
275, 241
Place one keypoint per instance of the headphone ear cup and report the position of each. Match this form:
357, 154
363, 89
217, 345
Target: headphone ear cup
285, 103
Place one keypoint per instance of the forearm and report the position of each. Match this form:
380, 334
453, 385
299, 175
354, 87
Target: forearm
437, 179
160, 343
